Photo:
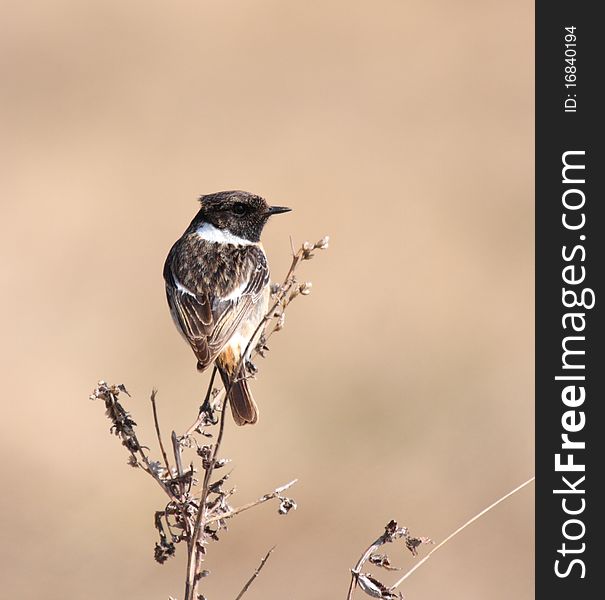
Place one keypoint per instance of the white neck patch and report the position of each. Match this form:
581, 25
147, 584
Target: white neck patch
210, 233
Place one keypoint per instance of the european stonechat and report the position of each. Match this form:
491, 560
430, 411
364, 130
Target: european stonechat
217, 285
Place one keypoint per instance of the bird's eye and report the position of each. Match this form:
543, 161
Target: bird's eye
239, 208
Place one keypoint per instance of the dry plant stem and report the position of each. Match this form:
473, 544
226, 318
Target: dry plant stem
255, 574
357, 568
130, 439
200, 418
244, 507
157, 430
177, 455
194, 557
461, 528
149, 471
144, 464
206, 397
176, 449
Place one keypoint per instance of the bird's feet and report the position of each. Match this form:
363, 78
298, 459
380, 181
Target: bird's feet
251, 367
207, 414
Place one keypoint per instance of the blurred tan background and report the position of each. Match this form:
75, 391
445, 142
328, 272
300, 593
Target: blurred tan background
401, 388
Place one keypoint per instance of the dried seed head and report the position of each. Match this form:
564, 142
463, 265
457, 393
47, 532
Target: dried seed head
305, 288
163, 551
413, 543
157, 468
262, 349
393, 532
280, 322
286, 505
307, 251
323, 244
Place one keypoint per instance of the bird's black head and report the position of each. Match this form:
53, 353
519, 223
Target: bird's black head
240, 213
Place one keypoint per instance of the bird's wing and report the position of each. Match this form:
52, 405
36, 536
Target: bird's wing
229, 314
208, 321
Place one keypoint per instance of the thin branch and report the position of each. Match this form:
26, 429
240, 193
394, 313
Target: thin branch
146, 466
244, 507
157, 430
200, 418
461, 528
356, 570
255, 574
205, 407
193, 560
124, 427
176, 449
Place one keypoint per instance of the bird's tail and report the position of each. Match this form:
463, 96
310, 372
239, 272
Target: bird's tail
242, 403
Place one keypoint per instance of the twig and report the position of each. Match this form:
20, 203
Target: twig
147, 468
356, 570
206, 404
176, 449
244, 507
194, 558
157, 430
461, 528
391, 533
199, 420
123, 426
255, 574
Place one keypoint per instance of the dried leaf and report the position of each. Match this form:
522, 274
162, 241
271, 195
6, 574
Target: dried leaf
390, 528
413, 543
305, 288
215, 488
286, 505
372, 587
382, 560
324, 243
163, 551
157, 468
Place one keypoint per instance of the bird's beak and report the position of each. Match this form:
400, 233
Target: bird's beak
276, 210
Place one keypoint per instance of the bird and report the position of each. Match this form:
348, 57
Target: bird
218, 288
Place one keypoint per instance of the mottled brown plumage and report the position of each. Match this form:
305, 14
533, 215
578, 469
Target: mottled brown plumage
217, 285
